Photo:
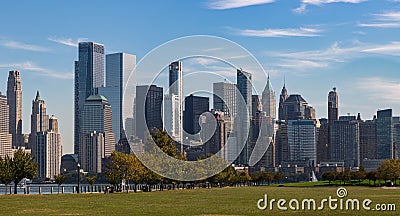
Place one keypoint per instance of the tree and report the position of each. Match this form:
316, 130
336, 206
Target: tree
372, 176
278, 176
6, 175
91, 181
59, 179
358, 175
390, 170
329, 176
23, 166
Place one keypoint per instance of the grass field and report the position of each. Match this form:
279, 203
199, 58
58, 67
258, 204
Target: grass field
216, 201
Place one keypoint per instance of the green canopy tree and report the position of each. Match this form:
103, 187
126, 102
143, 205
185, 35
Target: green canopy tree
59, 179
91, 181
329, 176
23, 166
390, 170
6, 175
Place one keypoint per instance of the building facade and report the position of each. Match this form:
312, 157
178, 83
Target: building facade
14, 101
224, 98
5, 136
384, 135
194, 107
302, 142
344, 142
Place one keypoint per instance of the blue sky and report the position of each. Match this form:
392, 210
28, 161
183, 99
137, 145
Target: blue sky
317, 44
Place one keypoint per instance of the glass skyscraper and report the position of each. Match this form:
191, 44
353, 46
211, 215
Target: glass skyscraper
384, 136
89, 74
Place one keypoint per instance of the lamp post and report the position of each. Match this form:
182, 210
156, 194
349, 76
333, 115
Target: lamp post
79, 172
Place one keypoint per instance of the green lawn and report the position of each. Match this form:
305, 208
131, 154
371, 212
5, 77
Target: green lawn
216, 201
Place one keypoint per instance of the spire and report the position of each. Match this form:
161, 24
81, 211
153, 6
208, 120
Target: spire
268, 87
37, 96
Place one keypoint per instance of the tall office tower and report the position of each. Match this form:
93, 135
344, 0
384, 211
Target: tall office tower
396, 135
245, 88
384, 135
176, 88
261, 143
119, 67
5, 136
48, 151
224, 98
344, 142
294, 108
367, 139
281, 143
302, 142
129, 127
256, 105
92, 151
323, 142
148, 110
39, 121
194, 107
96, 119
170, 115
309, 113
218, 138
14, 101
282, 99
89, 74
269, 100
333, 106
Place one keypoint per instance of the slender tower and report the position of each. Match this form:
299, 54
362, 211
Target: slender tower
176, 88
333, 106
269, 100
14, 101
282, 99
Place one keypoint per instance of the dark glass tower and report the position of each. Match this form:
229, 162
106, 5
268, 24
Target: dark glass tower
89, 74
333, 106
384, 136
194, 107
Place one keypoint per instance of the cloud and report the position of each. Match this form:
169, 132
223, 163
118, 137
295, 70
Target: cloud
302, 9
67, 41
229, 4
24, 46
382, 89
384, 20
288, 32
321, 2
29, 66
392, 48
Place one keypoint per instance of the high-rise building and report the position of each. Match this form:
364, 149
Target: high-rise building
282, 99
281, 143
333, 106
89, 74
39, 120
302, 141
49, 151
256, 105
170, 115
396, 135
119, 67
148, 110
384, 135
344, 142
14, 101
96, 119
323, 142
294, 108
194, 107
218, 138
367, 139
224, 98
245, 89
261, 141
176, 88
92, 151
269, 100
5, 136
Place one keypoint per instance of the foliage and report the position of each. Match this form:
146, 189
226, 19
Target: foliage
390, 170
59, 179
6, 175
23, 166
329, 176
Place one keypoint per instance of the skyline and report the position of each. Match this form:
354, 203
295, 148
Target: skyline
312, 55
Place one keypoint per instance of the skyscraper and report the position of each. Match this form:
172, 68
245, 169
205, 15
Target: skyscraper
170, 115
194, 107
39, 120
244, 86
333, 106
176, 88
302, 141
367, 139
218, 138
224, 98
5, 136
48, 151
282, 99
119, 67
269, 100
96, 119
384, 135
92, 151
148, 110
14, 101
256, 105
344, 141
294, 108
89, 74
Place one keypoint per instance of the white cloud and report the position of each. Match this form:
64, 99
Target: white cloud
384, 20
67, 41
302, 9
384, 90
288, 32
392, 48
229, 4
321, 2
24, 46
29, 66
